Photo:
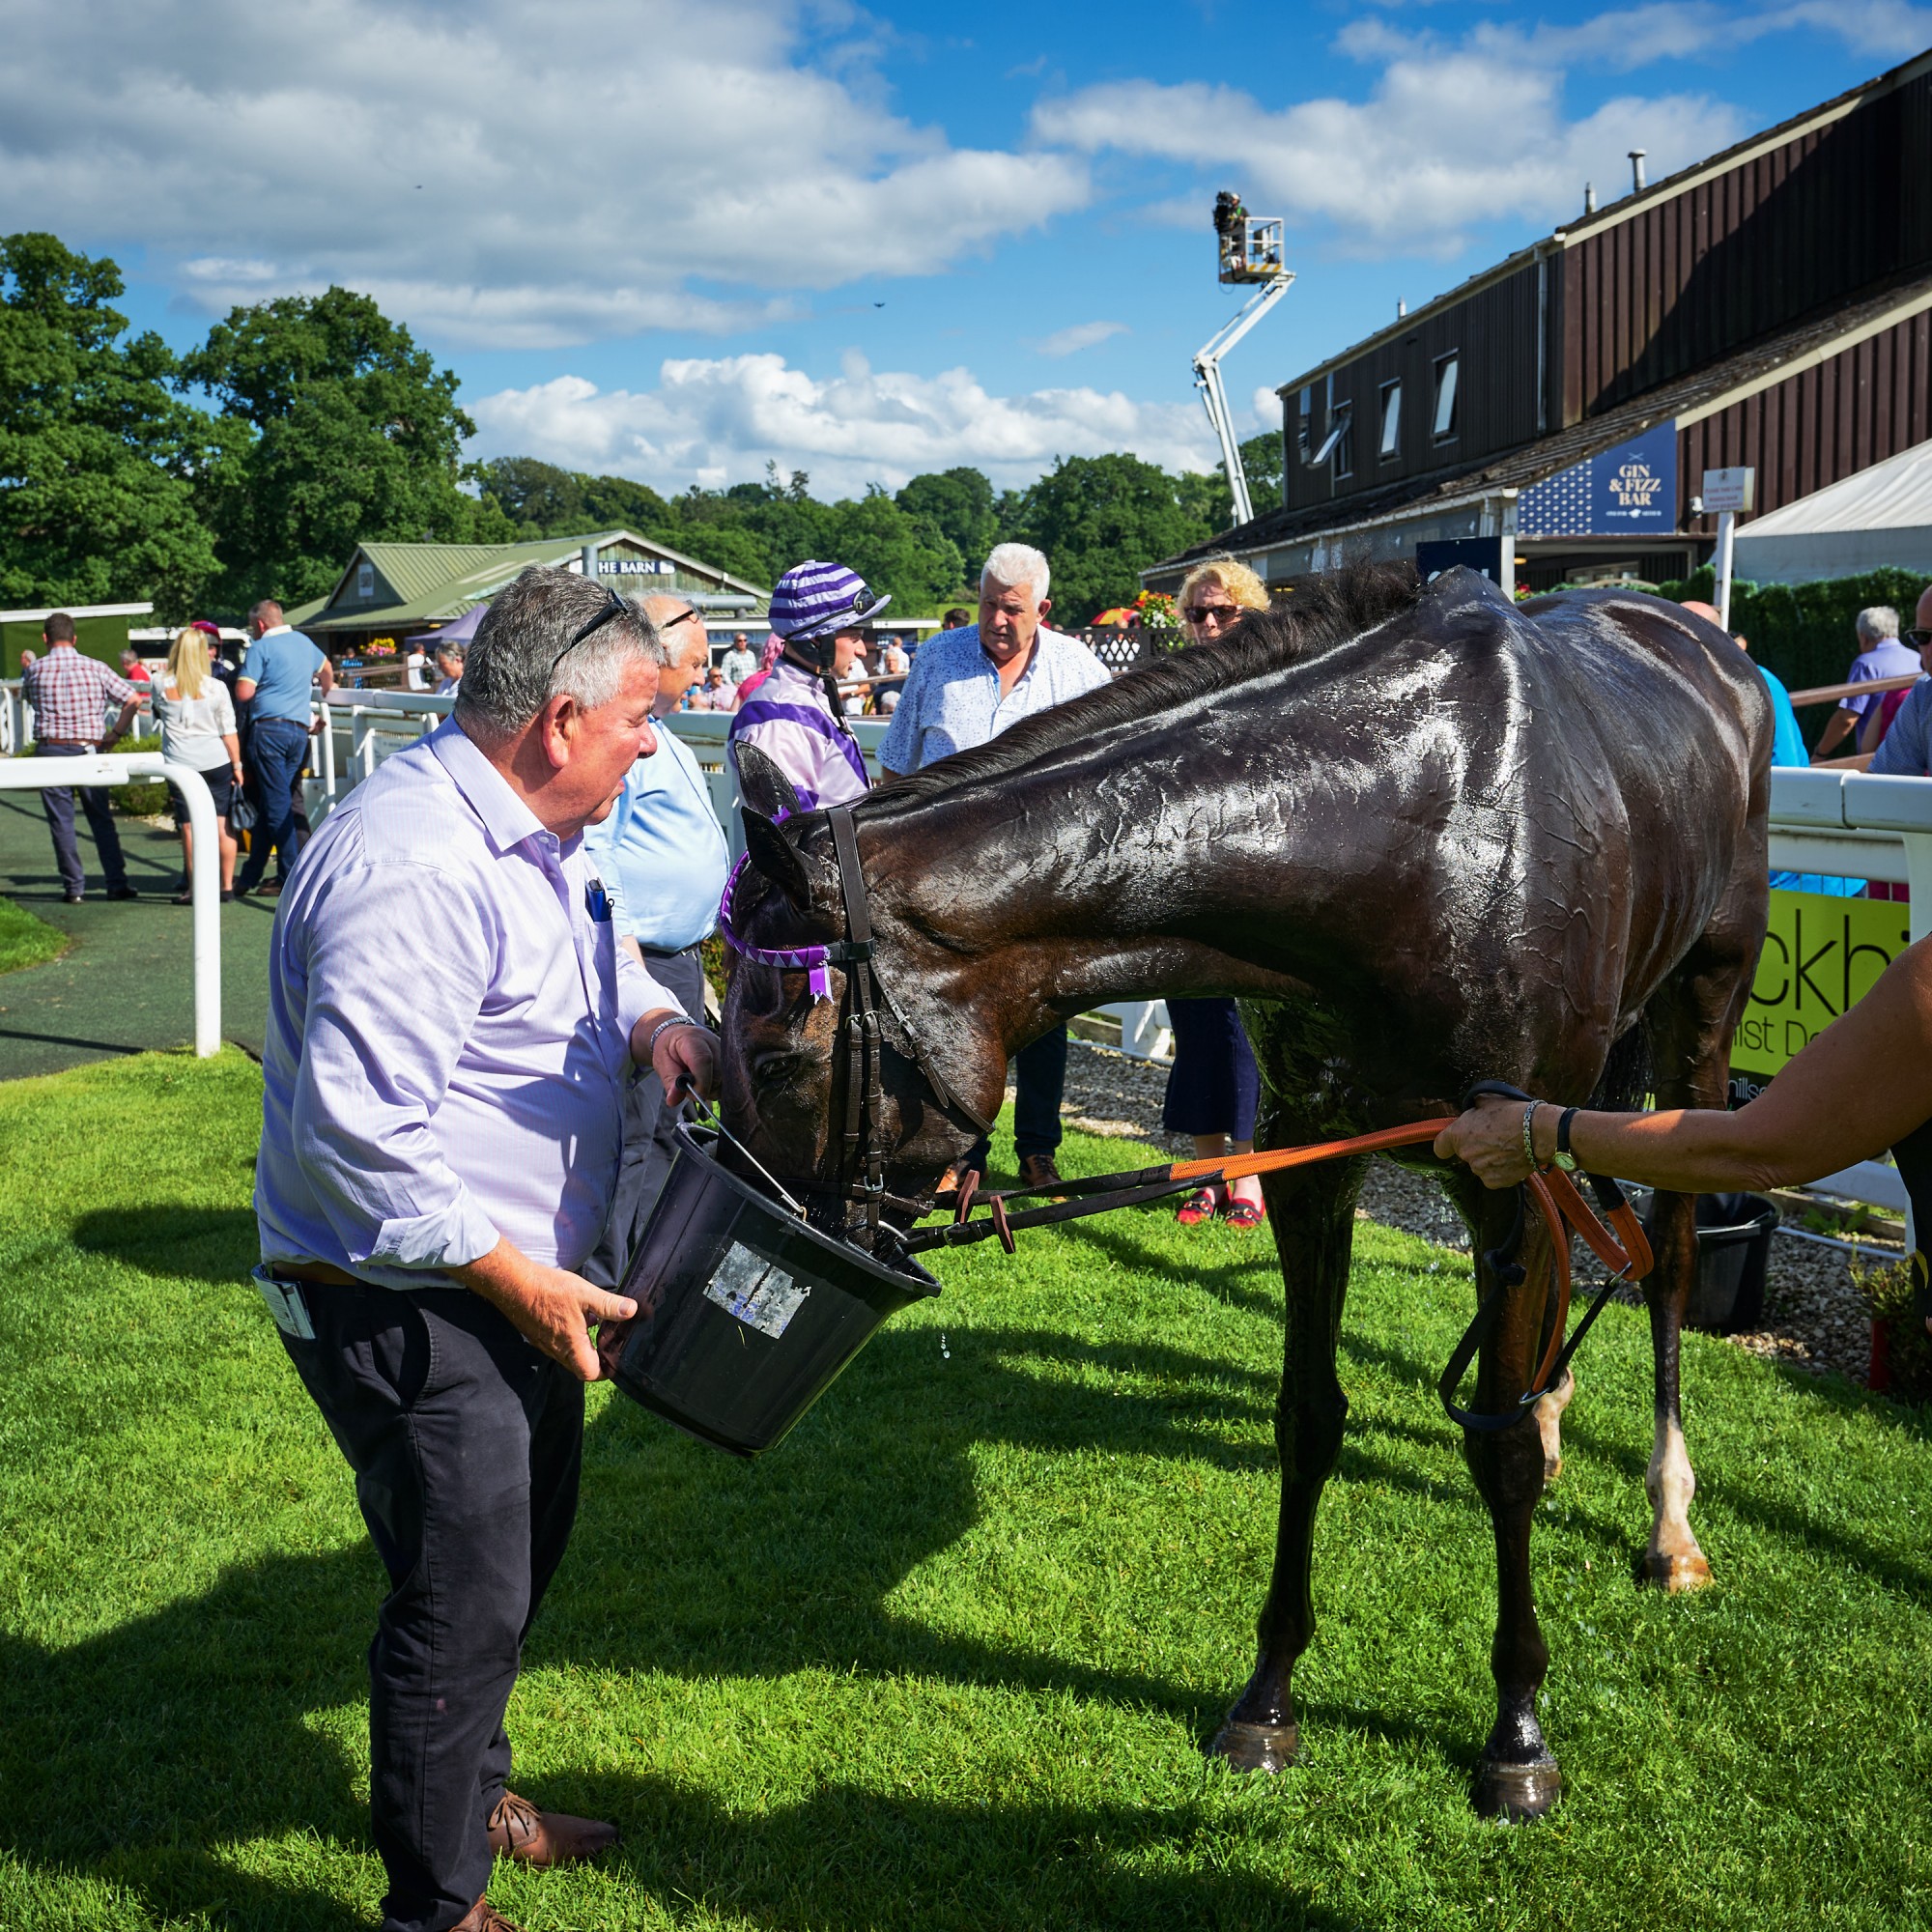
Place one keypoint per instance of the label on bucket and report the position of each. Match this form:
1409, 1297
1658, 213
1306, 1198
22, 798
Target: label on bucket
758, 1292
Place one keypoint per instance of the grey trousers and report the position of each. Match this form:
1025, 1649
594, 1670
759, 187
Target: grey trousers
57, 801
647, 1142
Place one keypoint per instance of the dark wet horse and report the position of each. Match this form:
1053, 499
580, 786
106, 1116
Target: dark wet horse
1426, 839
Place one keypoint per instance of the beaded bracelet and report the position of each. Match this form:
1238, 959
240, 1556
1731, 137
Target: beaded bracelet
662, 1027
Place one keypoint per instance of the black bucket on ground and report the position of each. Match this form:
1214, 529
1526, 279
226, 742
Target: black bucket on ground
744, 1315
1733, 1251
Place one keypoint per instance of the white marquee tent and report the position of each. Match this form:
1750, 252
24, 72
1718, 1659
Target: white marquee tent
1879, 516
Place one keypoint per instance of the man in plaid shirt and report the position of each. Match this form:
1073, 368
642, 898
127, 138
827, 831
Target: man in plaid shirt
70, 695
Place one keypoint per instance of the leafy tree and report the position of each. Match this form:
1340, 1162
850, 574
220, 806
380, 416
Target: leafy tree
96, 450
1207, 494
539, 498
349, 434
617, 503
906, 556
1101, 520
960, 504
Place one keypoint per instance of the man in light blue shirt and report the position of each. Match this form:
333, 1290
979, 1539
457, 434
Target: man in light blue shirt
438, 1150
279, 671
966, 687
1880, 655
664, 854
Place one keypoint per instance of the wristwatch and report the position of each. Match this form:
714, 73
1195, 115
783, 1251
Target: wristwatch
1563, 1157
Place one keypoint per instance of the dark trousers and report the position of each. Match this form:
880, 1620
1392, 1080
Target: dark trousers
466, 1445
647, 1125
57, 801
278, 748
1039, 1078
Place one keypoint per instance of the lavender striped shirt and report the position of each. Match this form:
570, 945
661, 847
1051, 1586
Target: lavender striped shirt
448, 1032
786, 718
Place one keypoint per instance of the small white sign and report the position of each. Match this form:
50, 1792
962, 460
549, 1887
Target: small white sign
1728, 489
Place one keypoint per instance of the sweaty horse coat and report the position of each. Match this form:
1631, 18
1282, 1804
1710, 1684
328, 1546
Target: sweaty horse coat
1426, 837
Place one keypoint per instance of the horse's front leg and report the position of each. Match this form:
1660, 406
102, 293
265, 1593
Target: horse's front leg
1671, 1557
1517, 1776
1313, 1215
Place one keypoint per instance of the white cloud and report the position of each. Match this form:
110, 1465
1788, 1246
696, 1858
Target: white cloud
716, 422
1446, 141
1081, 335
517, 178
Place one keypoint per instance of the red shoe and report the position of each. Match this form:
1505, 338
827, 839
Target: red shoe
1198, 1207
1243, 1214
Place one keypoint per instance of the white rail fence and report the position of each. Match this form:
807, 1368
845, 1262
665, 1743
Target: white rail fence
1842, 824
114, 768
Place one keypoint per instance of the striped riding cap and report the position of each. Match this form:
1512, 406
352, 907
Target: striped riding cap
815, 600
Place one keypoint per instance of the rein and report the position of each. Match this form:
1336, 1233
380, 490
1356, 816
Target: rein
863, 1163
1621, 1246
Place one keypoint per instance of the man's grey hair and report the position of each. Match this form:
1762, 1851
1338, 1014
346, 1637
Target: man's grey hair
1013, 564
1878, 623
518, 661
452, 648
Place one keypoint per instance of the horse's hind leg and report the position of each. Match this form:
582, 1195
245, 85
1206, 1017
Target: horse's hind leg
1312, 1211
1690, 1019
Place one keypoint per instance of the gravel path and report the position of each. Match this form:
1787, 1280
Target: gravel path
1812, 1317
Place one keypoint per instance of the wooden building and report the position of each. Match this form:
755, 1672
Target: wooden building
1770, 306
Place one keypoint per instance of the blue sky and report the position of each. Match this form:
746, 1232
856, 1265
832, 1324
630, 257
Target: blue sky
677, 241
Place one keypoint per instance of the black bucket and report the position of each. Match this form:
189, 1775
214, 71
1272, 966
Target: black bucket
1733, 1250
744, 1315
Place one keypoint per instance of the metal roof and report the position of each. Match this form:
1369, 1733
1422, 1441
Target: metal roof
434, 583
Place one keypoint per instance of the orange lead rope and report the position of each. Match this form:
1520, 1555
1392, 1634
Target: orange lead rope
1621, 1246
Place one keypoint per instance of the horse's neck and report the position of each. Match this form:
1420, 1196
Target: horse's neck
1141, 891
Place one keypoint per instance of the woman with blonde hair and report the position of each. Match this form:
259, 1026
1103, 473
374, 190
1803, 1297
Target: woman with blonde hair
197, 719
1213, 1090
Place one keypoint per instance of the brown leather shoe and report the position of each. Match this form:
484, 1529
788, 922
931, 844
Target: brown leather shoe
1038, 1169
519, 1830
483, 1917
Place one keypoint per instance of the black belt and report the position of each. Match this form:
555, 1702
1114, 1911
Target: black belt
676, 953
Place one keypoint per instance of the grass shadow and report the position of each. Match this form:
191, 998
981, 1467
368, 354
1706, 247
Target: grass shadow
198, 1244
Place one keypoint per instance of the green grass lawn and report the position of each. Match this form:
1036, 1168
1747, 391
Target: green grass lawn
25, 940
946, 1658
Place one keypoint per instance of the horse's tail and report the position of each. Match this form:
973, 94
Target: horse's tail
1625, 1081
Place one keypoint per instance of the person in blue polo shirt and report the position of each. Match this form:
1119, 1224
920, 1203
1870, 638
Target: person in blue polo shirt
279, 671
662, 856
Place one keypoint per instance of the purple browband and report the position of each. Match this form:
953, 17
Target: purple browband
816, 960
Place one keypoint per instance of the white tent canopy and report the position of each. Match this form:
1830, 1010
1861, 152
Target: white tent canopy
1879, 516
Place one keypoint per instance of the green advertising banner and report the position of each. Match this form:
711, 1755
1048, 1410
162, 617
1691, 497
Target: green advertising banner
1820, 957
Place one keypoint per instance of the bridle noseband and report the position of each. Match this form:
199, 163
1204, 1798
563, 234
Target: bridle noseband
863, 1158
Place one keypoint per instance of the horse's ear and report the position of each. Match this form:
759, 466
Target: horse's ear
777, 858
762, 785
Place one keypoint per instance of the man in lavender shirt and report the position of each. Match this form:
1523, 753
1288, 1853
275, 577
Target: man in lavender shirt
1880, 655
437, 1155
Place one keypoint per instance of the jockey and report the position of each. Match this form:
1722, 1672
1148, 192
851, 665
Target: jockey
819, 613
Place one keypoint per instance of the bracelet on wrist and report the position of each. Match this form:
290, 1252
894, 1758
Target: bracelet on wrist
662, 1028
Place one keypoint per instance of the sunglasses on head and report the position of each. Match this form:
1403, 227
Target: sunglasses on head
616, 607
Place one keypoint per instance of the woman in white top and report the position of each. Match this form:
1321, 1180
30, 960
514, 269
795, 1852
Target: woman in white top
197, 719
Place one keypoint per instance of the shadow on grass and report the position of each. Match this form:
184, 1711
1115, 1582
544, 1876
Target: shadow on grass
184, 1732
199, 1244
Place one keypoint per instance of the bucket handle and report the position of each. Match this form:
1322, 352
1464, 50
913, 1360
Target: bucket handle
715, 1121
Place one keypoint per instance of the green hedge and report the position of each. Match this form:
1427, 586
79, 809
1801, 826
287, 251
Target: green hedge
1802, 632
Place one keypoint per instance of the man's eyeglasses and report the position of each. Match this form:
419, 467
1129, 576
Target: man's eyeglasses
616, 607
1921, 636
683, 616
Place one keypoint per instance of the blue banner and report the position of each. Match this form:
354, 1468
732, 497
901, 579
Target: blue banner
1629, 491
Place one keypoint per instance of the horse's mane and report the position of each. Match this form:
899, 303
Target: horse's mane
1310, 614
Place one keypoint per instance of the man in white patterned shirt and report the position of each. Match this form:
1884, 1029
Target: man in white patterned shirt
70, 694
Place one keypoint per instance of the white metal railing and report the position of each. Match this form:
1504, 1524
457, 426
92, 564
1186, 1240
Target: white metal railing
114, 768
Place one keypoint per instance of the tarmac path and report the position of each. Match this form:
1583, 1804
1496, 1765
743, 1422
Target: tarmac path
126, 983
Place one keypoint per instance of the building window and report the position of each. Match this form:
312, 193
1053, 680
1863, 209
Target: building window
1343, 436
365, 581
1304, 427
1445, 395
1391, 442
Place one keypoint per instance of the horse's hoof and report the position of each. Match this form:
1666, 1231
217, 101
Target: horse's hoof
1517, 1791
1674, 1574
1255, 1746
1553, 1467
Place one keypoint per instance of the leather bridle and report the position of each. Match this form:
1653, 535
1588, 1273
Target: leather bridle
862, 1035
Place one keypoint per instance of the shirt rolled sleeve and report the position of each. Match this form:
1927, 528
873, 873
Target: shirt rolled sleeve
638, 994
378, 1051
